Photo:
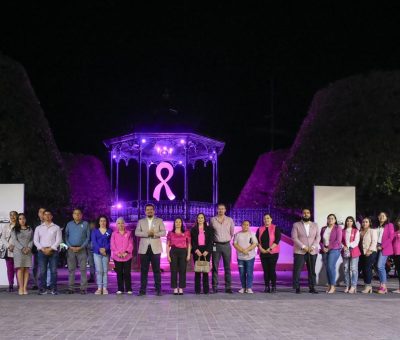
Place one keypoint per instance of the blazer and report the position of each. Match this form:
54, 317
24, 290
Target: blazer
300, 238
369, 240
209, 236
387, 240
142, 231
335, 238
396, 243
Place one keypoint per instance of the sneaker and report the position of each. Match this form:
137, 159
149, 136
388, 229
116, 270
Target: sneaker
42, 292
54, 292
249, 291
119, 292
129, 292
98, 291
105, 291
241, 291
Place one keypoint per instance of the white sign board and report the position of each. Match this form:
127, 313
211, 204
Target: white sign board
340, 201
11, 198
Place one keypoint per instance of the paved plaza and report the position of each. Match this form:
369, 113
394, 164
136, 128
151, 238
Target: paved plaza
284, 315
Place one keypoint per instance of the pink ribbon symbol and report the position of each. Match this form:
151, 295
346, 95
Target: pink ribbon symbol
163, 182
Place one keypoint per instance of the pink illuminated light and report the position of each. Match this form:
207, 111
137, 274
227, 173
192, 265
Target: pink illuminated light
163, 181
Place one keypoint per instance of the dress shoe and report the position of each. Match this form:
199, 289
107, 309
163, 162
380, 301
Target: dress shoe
215, 290
141, 293
298, 291
312, 291
273, 290
228, 291
158, 293
70, 291
267, 289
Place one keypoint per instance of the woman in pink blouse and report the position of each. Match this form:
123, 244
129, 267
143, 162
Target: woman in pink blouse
396, 250
178, 251
121, 253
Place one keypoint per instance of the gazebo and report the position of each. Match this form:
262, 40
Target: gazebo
165, 151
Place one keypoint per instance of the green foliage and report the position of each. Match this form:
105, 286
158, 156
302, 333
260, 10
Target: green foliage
351, 136
89, 185
28, 153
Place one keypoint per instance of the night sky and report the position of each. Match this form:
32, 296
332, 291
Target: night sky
103, 70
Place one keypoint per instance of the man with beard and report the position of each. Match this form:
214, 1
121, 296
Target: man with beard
306, 237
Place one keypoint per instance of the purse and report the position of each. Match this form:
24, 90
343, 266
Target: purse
201, 266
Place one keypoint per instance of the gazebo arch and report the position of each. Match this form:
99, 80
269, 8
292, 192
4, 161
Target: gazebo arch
160, 149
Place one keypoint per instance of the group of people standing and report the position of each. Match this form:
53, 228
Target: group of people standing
24, 246
361, 249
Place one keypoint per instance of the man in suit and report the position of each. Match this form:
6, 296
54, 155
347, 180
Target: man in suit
306, 237
150, 229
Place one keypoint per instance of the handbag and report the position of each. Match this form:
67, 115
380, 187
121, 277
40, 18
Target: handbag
201, 266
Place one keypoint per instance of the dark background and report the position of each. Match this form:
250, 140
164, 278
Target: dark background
105, 69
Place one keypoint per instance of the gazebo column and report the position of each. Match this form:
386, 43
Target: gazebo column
215, 178
111, 175
140, 182
147, 180
117, 181
185, 186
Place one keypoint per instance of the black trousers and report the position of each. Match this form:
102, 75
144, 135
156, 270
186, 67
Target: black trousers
197, 276
123, 270
178, 265
145, 260
298, 264
269, 267
397, 265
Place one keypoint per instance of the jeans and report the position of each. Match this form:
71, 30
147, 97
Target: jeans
81, 258
223, 250
381, 266
35, 269
246, 268
367, 262
350, 271
101, 264
330, 259
51, 261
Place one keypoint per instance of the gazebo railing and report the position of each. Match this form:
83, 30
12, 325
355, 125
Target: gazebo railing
169, 210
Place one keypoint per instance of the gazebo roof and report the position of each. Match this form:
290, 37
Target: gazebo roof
154, 148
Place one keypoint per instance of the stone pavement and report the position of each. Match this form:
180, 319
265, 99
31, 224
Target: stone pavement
284, 315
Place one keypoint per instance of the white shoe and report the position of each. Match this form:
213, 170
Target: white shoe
129, 292
105, 291
241, 291
249, 291
119, 292
98, 291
